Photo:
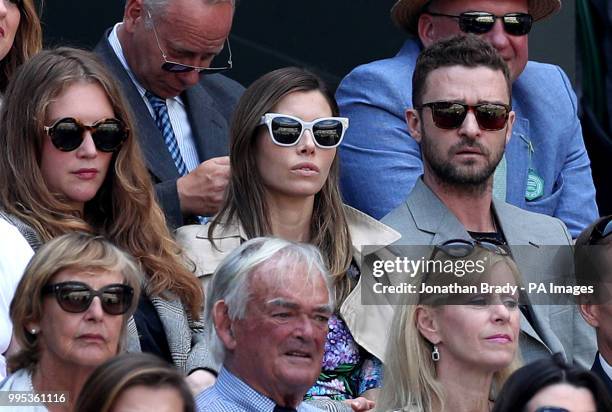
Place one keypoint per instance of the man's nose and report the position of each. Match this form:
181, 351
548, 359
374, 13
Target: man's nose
497, 36
190, 78
470, 127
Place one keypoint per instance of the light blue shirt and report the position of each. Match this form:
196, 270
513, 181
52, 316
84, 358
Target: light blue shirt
230, 394
176, 109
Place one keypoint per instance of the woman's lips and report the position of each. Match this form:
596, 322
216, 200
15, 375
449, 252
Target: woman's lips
86, 174
305, 169
92, 337
500, 338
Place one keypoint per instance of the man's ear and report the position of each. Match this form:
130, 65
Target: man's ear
426, 29
426, 324
590, 313
413, 122
510, 124
133, 13
223, 325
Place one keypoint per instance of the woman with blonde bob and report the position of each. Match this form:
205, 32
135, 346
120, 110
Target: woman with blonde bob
284, 183
71, 162
70, 314
451, 351
135, 382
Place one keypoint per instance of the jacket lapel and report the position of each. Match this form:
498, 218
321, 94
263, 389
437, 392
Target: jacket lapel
524, 248
172, 316
208, 126
517, 161
159, 162
432, 216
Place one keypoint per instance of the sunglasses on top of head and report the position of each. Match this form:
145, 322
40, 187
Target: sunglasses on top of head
450, 115
479, 22
67, 134
286, 130
176, 67
460, 248
76, 297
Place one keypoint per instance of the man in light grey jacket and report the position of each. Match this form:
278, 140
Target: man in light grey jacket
462, 121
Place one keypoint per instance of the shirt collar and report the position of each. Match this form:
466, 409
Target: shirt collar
231, 387
605, 366
115, 44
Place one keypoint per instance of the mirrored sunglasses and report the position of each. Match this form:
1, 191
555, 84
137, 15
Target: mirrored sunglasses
479, 22
286, 130
76, 297
450, 115
67, 134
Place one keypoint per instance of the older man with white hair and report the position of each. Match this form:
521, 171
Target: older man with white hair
270, 301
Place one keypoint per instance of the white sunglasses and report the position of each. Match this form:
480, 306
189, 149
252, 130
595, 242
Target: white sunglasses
286, 130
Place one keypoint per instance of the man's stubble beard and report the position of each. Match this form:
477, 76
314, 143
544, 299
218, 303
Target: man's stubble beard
464, 175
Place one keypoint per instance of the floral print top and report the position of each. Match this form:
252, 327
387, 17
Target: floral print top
348, 370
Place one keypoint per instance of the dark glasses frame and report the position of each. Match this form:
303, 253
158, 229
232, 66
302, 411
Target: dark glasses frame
176, 67
268, 118
551, 409
479, 22
602, 230
52, 131
59, 289
460, 248
478, 109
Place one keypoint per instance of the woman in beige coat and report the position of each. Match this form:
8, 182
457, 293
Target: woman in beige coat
285, 183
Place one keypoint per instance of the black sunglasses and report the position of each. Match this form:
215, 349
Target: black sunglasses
601, 230
460, 248
479, 22
76, 297
450, 115
67, 134
286, 130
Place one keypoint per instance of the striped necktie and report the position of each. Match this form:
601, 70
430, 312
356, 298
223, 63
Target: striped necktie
162, 119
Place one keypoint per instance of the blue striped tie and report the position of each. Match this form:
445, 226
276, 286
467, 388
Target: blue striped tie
165, 127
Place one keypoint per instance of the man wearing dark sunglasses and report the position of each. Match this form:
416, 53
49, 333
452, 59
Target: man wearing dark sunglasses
163, 53
546, 168
462, 121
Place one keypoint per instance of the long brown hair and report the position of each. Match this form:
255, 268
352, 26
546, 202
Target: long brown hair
28, 41
245, 199
124, 210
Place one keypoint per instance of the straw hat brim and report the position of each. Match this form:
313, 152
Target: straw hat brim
405, 13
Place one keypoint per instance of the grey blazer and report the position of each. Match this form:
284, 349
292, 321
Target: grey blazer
185, 336
209, 107
424, 220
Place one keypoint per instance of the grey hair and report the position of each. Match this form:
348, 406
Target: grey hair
157, 7
230, 282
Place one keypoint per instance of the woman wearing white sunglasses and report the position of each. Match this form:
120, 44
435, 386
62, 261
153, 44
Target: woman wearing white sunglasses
284, 183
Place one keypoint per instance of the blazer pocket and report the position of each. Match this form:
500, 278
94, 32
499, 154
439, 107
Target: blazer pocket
548, 203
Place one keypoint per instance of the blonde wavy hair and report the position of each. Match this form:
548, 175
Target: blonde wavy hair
410, 379
124, 210
76, 251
